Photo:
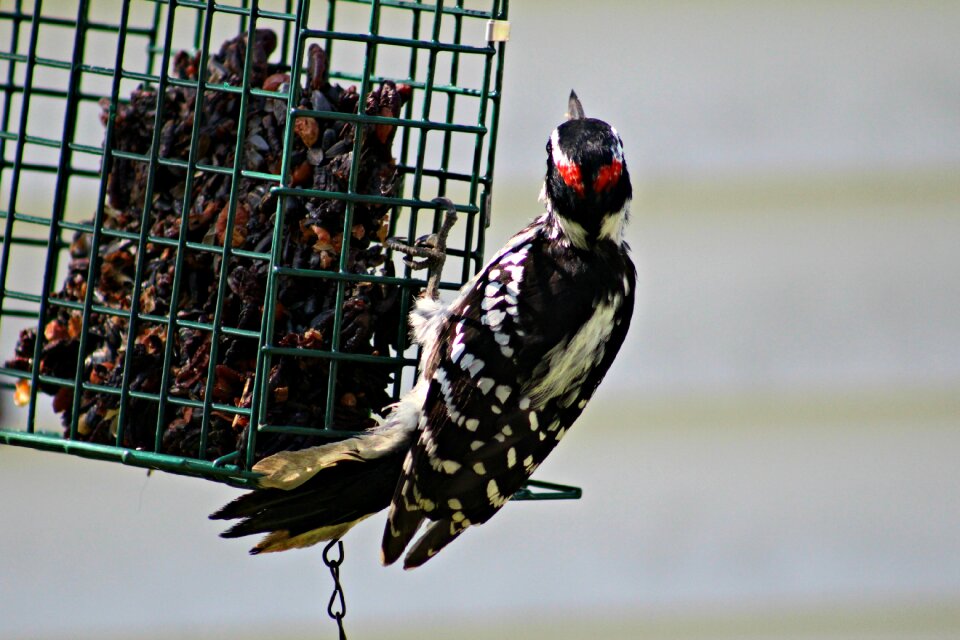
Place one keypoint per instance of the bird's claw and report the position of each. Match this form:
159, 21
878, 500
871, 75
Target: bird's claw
430, 249
424, 248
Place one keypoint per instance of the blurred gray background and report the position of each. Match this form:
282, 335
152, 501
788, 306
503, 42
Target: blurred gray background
775, 453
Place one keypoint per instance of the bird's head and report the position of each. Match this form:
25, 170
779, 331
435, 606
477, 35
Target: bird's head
587, 186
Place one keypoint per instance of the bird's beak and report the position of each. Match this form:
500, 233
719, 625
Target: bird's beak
574, 108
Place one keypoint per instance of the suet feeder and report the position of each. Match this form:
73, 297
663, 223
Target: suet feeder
195, 197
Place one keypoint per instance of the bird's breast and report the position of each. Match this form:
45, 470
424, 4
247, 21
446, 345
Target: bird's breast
567, 364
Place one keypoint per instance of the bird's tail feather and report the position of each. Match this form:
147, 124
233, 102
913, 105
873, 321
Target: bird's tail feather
318, 493
436, 537
402, 523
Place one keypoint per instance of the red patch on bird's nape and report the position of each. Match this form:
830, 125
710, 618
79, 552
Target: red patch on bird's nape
608, 176
570, 172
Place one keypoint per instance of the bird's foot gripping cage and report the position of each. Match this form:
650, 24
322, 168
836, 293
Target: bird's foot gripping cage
195, 198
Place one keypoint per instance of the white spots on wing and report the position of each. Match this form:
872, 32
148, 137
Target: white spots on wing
458, 344
503, 339
494, 274
476, 444
507, 431
524, 403
418, 498
472, 424
408, 463
516, 276
485, 385
511, 457
500, 299
493, 494
534, 422
451, 466
435, 461
467, 361
519, 242
393, 530
441, 377
581, 404
475, 367
493, 318
457, 516
542, 435
560, 434
428, 443
528, 464
427, 505
457, 351
496, 409
479, 469
446, 391
626, 285
455, 504
502, 392
553, 425
514, 259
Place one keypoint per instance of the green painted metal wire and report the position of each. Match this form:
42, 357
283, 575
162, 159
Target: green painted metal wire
442, 35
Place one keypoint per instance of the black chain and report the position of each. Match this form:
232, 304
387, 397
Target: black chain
337, 607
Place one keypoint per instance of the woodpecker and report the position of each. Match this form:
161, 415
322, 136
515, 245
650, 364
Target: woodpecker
506, 369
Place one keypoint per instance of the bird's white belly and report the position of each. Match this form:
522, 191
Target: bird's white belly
569, 362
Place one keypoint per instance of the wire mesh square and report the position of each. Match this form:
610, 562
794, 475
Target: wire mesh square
194, 197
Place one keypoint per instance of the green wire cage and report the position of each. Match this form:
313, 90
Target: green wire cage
195, 197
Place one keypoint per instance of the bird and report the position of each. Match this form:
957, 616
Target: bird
505, 370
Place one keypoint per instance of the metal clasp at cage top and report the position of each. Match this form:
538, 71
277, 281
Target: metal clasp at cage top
498, 30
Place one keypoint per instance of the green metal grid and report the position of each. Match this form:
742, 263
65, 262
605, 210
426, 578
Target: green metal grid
63, 58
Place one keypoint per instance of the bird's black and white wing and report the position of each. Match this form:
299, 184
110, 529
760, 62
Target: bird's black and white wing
509, 366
